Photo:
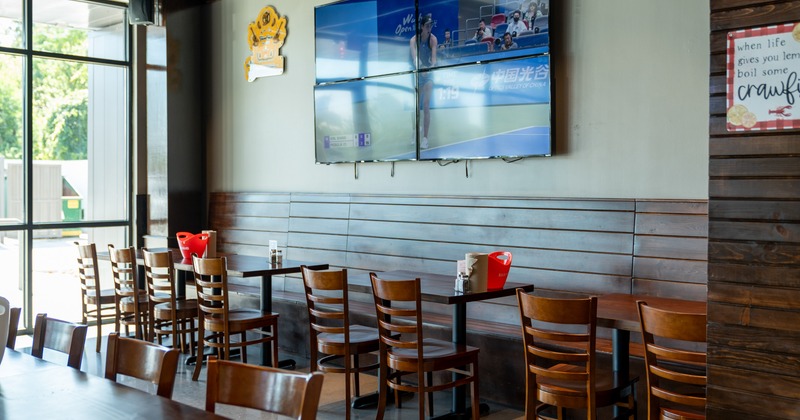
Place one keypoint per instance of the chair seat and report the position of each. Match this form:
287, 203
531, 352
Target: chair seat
607, 386
362, 340
106, 296
183, 308
681, 414
240, 320
126, 303
436, 355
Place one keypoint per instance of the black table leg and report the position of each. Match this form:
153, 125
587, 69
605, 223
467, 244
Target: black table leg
620, 357
266, 306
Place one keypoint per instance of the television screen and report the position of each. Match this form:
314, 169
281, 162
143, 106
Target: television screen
366, 120
364, 38
432, 79
497, 109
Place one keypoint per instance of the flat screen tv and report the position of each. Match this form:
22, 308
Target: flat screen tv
366, 120
454, 52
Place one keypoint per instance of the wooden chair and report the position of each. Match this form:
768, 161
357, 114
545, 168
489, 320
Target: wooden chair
168, 314
13, 327
61, 336
561, 369
335, 344
676, 368
130, 300
291, 394
220, 321
96, 303
142, 360
414, 354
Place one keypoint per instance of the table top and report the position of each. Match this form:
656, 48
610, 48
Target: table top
619, 310
238, 265
34, 388
437, 288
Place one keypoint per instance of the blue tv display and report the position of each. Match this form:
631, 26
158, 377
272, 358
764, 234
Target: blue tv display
450, 65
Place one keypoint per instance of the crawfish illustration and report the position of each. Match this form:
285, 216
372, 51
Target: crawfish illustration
781, 111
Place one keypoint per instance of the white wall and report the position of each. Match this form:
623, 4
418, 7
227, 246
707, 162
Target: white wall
632, 111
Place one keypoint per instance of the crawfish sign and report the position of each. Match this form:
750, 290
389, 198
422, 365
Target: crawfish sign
763, 85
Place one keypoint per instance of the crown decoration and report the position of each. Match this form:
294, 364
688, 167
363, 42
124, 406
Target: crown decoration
265, 37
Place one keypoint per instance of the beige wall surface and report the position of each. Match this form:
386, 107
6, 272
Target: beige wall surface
631, 115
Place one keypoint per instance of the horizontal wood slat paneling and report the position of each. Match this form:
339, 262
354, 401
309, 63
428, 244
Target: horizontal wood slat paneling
763, 210
755, 167
780, 276
755, 317
734, 404
754, 145
764, 15
754, 339
750, 295
754, 188
759, 382
754, 253
755, 231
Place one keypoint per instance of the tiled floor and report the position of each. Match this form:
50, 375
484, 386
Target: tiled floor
331, 405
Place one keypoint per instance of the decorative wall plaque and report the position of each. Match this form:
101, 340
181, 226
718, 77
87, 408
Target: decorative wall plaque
265, 36
763, 83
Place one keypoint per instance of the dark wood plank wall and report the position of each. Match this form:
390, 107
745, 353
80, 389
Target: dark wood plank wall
753, 245
563, 246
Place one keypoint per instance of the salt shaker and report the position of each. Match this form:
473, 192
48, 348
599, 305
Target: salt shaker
279, 257
273, 256
462, 283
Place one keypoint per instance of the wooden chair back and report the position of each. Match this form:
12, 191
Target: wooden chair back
559, 338
87, 269
333, 315
126, 288
96, 303
405, 320
61, 336
159, 271
676, 369
13, 326
142, 360
211, 283
291, 394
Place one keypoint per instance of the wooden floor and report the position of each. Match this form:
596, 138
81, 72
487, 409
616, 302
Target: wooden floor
331, 405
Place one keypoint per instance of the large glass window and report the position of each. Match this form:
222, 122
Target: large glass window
64, 145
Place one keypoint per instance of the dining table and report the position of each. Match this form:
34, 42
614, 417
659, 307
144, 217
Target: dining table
620, 313
440, 288
32, 388
243, 266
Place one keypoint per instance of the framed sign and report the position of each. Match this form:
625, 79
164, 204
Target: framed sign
762, 78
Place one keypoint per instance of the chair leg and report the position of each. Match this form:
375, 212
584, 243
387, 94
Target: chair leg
274, 330
200, 350
243, 348
430, 394
476, 400
99, 333
383, 388
347, 371
356, 381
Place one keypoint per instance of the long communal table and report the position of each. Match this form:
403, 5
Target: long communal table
31, 388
